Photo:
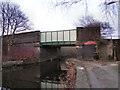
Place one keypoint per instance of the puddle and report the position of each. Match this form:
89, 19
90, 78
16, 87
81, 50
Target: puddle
81, 68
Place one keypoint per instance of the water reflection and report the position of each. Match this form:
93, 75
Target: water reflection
27, 76
21, 77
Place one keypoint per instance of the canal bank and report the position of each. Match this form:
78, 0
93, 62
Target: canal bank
29, 76
82, 77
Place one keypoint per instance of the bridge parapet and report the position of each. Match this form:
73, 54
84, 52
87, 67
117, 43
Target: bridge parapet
63, 37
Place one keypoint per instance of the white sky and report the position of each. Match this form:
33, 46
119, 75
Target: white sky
45, 17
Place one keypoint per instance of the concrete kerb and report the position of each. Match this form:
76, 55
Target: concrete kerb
82, 77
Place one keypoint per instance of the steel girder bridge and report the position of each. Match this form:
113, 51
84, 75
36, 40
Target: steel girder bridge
62, 38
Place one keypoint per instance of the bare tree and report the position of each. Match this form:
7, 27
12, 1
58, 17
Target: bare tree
85, 21
12, 20
104, 3
67, 3
108, 7
89, 21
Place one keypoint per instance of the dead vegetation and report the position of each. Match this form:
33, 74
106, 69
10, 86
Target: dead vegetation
69, 80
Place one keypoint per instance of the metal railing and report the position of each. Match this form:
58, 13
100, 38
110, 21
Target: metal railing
58, 37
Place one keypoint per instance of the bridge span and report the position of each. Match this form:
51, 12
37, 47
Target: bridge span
61, 38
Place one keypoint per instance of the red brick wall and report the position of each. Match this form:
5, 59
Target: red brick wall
23, 47
87, 33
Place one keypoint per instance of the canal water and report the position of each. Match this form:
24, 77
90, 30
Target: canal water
28, 76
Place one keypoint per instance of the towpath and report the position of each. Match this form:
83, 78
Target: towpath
96, 74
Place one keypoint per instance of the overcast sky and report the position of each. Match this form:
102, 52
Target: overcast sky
46, 17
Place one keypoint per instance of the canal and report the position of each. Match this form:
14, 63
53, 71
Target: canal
28, 76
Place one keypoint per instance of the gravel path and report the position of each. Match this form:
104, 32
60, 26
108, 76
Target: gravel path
100, 74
